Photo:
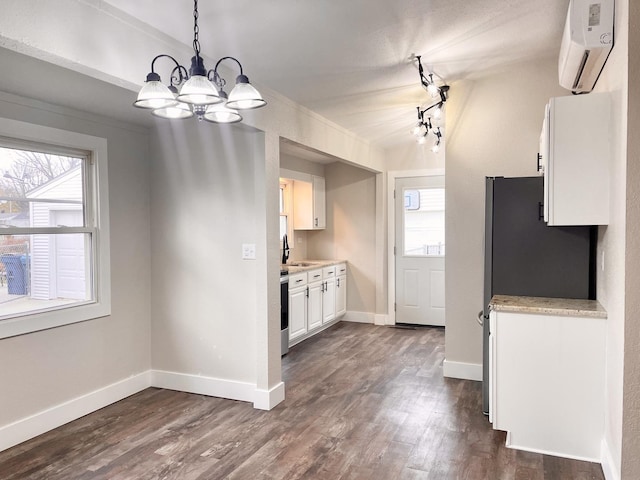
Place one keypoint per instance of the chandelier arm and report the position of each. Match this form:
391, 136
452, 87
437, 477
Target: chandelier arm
439, 104
164, 55
215, 69
215, 77
178, 75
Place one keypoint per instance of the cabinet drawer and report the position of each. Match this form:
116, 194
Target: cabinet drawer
341, 269
297, 280
314, 276
329, 272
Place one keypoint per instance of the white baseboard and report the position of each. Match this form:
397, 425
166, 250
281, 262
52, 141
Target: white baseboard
213, 387
609, 467
461, 370
41, 422
359, 317
381, 319
267, 399
510, 444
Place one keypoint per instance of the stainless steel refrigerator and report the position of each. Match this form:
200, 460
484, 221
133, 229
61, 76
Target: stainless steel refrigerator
523, 256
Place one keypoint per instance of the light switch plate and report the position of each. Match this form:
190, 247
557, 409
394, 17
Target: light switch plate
248, 251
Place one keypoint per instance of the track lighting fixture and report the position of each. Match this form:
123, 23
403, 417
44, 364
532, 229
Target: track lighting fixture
201, 92
424, 124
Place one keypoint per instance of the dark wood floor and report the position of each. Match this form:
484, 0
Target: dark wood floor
363, 402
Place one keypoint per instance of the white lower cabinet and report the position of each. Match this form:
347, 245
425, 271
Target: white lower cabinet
341, 296
315, 300
297, 306
329, 294
547, 382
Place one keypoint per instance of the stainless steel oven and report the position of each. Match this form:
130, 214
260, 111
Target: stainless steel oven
284, 312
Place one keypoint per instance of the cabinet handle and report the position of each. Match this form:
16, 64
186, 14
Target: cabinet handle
538, 165
307, 292
540, 211
299, 280
338, 283
316, 221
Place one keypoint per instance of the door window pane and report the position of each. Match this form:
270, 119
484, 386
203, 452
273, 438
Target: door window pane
424, 222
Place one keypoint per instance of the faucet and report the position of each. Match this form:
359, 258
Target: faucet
285, 249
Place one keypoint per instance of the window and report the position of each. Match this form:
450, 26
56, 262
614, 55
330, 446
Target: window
424, 222
54, 246
284, 208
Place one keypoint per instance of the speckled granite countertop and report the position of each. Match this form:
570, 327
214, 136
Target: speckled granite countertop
550, 306
307, 265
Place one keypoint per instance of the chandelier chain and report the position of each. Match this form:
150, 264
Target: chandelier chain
196, 29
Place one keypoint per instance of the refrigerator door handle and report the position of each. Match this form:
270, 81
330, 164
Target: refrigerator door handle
540, 211
480, 318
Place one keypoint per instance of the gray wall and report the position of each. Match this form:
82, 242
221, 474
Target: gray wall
631, 423
493, 129
350, 232
204, 209
46, 368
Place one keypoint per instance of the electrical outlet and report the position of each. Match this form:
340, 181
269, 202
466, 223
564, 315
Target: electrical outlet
248, 251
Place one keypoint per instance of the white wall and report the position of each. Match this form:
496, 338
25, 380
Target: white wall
204, 209
611, 281
412, 156
493, 127
45, 369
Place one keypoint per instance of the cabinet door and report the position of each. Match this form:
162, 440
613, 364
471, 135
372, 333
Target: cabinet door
341, 296
314, 306
319, 203
297, 312
577, 173
329, 300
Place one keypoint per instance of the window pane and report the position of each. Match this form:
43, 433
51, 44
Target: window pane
39, 272
424, 222
40, 189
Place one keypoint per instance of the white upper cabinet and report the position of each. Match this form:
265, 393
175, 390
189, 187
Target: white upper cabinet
309, 205
575, 153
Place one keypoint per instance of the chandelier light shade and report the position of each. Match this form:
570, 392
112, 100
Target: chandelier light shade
154, 94
425, 125
201, 91
221, 113
244, 95
178, 111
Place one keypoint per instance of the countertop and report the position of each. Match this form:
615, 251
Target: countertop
312, 265
548, 306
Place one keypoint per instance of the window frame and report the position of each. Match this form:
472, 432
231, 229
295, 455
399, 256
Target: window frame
27, 135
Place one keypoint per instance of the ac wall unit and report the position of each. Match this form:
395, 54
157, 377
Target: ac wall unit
586, 43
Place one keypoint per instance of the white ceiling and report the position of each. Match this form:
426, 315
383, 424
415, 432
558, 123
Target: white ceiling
349, 59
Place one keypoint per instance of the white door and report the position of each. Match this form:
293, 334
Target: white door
419, 250
70, 261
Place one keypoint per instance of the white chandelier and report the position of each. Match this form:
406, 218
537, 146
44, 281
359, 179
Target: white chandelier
201, 92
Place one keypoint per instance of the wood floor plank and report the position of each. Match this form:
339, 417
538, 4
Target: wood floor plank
362, 402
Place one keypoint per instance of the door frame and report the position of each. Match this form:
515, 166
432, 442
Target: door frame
391, 225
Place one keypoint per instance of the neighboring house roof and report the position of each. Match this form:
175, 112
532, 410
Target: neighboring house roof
52, 184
